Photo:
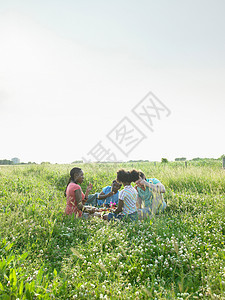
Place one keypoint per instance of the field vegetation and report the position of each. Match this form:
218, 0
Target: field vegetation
176, 255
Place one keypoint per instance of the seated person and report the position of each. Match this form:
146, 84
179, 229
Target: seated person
127, 199
150, 198
108, 194
75, 198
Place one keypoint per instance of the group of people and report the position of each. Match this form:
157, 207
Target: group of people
133, 202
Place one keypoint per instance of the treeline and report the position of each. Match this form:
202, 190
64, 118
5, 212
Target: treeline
6, 162
198, 158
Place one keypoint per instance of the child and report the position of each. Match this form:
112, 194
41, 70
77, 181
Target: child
127, 197
75, 196
150, 198
108, 194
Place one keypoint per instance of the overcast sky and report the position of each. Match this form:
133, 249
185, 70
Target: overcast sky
75, 78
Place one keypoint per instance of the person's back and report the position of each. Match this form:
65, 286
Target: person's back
129, 197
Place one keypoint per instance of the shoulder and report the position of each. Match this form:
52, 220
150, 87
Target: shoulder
106, 189
128, 190
73, 186
121, 193
153, 180
134, 190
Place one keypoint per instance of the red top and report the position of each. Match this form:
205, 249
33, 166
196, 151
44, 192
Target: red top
71, 203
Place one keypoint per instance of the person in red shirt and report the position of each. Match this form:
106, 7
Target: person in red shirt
75, 198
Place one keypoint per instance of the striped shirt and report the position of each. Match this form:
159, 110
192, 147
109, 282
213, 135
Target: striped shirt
129, 196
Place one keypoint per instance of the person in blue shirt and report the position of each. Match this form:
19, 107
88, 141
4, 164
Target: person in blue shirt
108, 195
150, 198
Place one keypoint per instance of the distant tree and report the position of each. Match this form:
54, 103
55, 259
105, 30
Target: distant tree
164, 160
139, 160
15, 160
222, 156
180, 159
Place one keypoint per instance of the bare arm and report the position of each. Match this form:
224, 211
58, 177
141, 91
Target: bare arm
78, 197
160, 188
156, 188
80, 205
102, 196
139, 202
89, 188
120, 207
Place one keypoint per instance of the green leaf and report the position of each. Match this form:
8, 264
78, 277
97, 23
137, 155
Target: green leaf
40, 275
28, 288
6, 277
10, 258
23, 256
2, 264
55, 272
21, 288
12, 277
28, 295
9, 246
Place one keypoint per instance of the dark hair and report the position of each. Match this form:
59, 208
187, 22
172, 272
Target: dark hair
117, 183
73, 172
142, 175
127, 176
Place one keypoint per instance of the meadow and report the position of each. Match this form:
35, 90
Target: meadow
179, 254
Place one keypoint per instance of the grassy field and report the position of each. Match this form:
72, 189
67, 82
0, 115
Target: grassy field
177, 255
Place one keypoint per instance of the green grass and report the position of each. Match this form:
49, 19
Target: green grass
177, 255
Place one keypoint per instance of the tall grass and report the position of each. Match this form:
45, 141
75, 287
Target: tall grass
177, 255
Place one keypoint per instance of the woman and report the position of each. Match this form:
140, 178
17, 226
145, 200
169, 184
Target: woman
150, 198
75, 196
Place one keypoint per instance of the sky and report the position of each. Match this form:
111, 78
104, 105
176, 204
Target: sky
111, 80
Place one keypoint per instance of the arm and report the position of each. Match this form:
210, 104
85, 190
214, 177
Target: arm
102, 196
139, 202
120, 207
159, 188
78, 197
80, 205
89, 188
156, 188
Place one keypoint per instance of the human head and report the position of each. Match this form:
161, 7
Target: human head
126, 177
142, 175
76, 175
116, 186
